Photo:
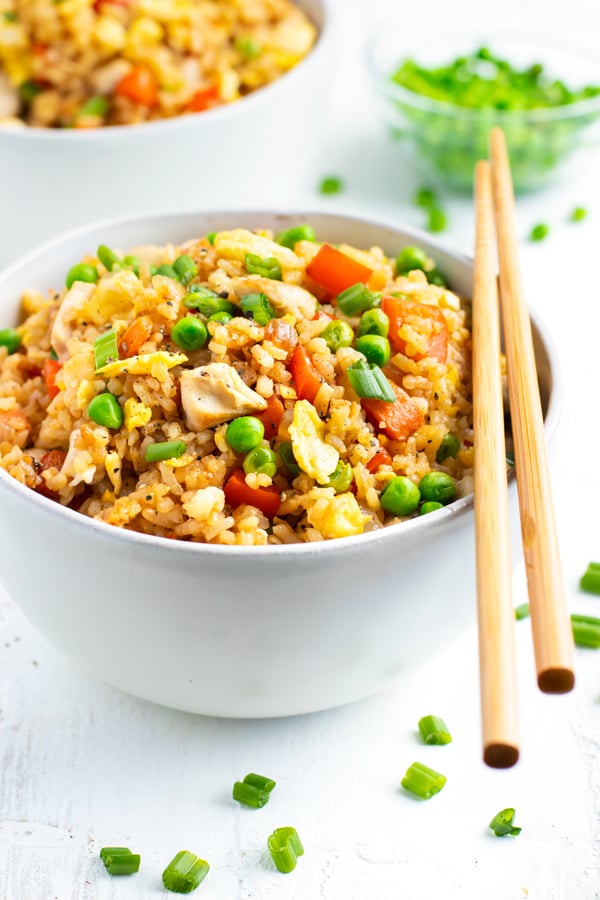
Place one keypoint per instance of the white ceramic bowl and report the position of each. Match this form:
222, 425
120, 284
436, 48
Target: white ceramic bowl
54, 179
245, 632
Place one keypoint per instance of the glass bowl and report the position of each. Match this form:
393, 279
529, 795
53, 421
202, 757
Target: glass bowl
449, 139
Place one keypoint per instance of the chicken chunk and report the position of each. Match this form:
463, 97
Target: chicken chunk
213, 394
286, 298
73, 303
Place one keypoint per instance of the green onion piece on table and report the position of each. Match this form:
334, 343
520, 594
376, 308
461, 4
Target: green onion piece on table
105, 410
11, 339
105, 349
590, 580
331, 184
185, 269
436, 220
425, 198
586, 631
502, 823
356, 299
539, 232
185, 873
120, 860
108, 257
268, 267
449, 446
258, 307
291, 236
285, 847
253, 791
434, 730
82, 272
165, 450
369, 382
522, 611
578, 214
423, 781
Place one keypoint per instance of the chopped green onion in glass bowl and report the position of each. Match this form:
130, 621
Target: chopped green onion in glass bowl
444, 92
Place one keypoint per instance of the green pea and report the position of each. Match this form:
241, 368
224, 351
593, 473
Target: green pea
430, 506
167, 272
434, 276
286, 455
425, 198
105, 410
449, 446
373, 321
245, 433
337, 334
410, 258
134, 263
10, 339
401, 496
261, 460
437, 486
82, 272
222, 317
436, 220
375, 347
190, 333
291, 236
341, 479
185, 268
331, 184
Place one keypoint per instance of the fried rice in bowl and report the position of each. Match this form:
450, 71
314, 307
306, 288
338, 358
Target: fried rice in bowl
247, 438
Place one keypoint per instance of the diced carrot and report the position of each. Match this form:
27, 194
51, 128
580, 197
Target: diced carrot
401, 311
399, 419
38, 49
139, 85
381, 458
335, 271
237, 493
272, 416
50, 370
54, 459
205, 99
135, 336
306, 378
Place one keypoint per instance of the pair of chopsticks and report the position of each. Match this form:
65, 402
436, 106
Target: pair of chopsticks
552, 636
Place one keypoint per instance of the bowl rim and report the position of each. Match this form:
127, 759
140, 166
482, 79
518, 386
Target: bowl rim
438, 521
109, 133
396, 92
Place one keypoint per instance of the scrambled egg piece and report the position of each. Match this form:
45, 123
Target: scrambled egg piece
337, 516
145, 364
314, 456
136, 414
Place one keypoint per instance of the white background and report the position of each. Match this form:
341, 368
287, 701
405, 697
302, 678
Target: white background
83, 766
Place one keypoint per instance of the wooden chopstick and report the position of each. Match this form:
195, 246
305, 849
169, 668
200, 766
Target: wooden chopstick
495, 614
552, 635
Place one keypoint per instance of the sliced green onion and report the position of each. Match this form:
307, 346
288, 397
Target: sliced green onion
207, 302
268, 267
133, 263
590, 580
185, 873
434, 730
369, 381
108, 257
210, 237
11, 339
105, 348
341, 478
95, 106
449, 446
185, 268
167, 272
331, 184
586, 631
291, 236
257, 306
165, 450
522, 611
222, 317
120, 860
253, 791
423, 781
285, 847
502, 823
356, 299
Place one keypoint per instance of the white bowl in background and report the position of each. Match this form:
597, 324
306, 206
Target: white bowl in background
241, 631
255, 148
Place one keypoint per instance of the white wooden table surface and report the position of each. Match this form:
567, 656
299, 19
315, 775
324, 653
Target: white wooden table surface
83, 766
